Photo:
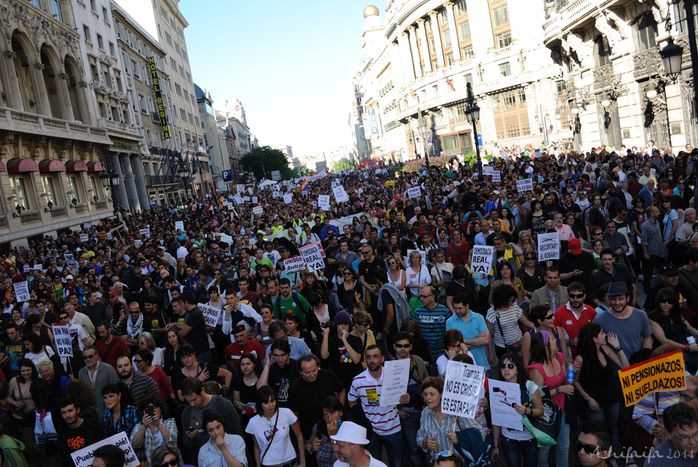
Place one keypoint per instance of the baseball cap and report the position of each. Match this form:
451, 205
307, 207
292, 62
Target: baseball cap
668, 269
575, 246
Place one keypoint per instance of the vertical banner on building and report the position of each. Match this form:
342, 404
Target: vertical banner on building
159, 102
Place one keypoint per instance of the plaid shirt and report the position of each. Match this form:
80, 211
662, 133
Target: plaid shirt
154, 439
126, 422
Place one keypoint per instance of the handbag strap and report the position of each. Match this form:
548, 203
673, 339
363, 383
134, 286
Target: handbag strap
273, 433
501, 331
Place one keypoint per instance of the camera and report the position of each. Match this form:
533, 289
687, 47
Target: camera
326, 324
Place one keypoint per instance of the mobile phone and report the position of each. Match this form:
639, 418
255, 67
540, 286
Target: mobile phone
150, 411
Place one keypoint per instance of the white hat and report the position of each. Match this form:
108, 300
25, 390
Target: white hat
350, 432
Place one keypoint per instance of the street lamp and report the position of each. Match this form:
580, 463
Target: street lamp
113, 179
183, 174
472, 112
671, 59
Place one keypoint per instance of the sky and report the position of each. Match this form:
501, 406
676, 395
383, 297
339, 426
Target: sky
290, 62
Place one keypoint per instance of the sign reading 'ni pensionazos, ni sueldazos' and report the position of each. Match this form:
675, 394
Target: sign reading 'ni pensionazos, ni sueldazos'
660, 374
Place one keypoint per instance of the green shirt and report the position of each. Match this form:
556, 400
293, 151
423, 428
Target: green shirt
295, 304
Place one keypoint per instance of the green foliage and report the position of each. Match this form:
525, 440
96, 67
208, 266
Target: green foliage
263, 160
344, 164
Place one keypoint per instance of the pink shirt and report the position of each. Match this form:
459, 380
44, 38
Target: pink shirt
565, 232
554, 380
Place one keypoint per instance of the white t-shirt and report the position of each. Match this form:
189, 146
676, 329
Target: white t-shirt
372, 463
281, 449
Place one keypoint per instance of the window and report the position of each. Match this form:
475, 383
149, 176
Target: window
47, 183
107, 77
468, 79
111, 49
135, 69
443, 16
461, 7
178, 88
603, 51
93, 6
464, 31
503, 40
105, 15
86, 32
100, 42
501, 16
446, 39
511, 114
141, 101
504, 69
468, 53
95, 188
18, 186
646, 28
74, 190
94, 71
56, 10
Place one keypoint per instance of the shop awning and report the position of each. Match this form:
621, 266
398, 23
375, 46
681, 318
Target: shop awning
94, 167
18, 166
76, 166
50, 166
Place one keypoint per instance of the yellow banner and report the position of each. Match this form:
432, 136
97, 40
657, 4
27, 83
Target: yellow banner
660, 374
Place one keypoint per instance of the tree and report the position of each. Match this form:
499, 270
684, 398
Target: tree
264, 160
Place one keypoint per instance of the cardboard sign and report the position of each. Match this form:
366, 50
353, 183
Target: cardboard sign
26, 268
294, 264
462, 386
339, 194
414, 192
496, 176
84, 238
257, 210
323, 202
396, 375
524, 185
660, 374
61, 336
288, 198
179, 225
38, 267
503, 397
548, 246
83, 457
487, 170
482, 259
312, 255
145, 233
211, 314
21, 291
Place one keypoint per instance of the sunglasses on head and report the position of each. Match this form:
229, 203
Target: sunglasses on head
588, 448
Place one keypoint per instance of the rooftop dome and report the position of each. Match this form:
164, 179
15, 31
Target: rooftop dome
371, 10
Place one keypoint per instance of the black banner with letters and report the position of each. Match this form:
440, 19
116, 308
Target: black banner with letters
159, 103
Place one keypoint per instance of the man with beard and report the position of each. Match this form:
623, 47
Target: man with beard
366, 388
575, 314
75, 432
141, 387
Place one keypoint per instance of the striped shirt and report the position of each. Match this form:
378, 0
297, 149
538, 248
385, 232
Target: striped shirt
433, 326
509, 322
384, 420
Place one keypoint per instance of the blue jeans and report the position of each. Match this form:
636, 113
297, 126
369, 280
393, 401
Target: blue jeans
562, 449
609, 415
410, 426
393, 444
518, 453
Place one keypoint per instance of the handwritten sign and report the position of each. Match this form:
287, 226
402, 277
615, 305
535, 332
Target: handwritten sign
179, 225
548, 246
288, 198
462, 386
396, 375
38, 267
660, 374
64, 343
323, 201
524, 185
83, 457
21, 291
487, 170
414, 192
503, 397
145, 233
496, 176
84, 238
257, 210
339, 194
211, 314
312, 255
294, 264
482, 259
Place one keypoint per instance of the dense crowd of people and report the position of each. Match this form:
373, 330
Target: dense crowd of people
192, 334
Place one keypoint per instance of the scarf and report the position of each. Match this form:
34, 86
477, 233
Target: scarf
134, 330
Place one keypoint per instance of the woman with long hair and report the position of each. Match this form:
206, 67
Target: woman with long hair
155, 429
20, 401
191, 368
537, 218
542, 318
320, 443
506, 276
174, 342
146, 341
670, 327
362, 324
437, 430
245, 386
517, 446
417, 274
599, 357
396, 275
347, 289
526, 241
271, 428
119, 414
531, 275
547, 368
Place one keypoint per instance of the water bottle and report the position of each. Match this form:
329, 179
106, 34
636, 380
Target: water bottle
570, 373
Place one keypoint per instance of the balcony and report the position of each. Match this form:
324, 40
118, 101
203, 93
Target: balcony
571, 15
26, 122
647, 63
160, 180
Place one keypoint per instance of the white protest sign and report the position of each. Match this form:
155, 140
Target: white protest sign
288, 198
84, 238
496, 176
294, 264
462, 386
487, 170
240, 188
144, 232
276, 175
86, 226
323, 201
26, 268
503, 396
238, 199
482, 259
211, 314
339, 194
312, 256
396, 375
179, 225
524, 185
38, 267
414, 192
258, 210
548, 246
109, 236
275, 188
225, 238
21, 291
61, 336
83, 457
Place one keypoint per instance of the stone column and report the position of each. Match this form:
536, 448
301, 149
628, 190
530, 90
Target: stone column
455, 48
130, 182
415, 51
405, 59
121, 198
42, 105
9, 77
433, 16
64, 97
140, 182
421, 27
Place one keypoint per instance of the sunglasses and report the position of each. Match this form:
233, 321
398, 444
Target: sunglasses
172, 463
550, 316
402, 346
360, 323
588, 448
509, 366
137, 360
576, 295
63, 317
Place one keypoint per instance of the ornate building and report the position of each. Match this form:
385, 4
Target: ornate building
608, 52
411, 83
53, 141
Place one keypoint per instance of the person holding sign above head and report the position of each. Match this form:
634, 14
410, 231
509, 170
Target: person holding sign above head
385, 421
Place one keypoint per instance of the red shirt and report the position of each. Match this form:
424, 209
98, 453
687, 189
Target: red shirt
567, 321
234, 351
110, 353
164, 386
